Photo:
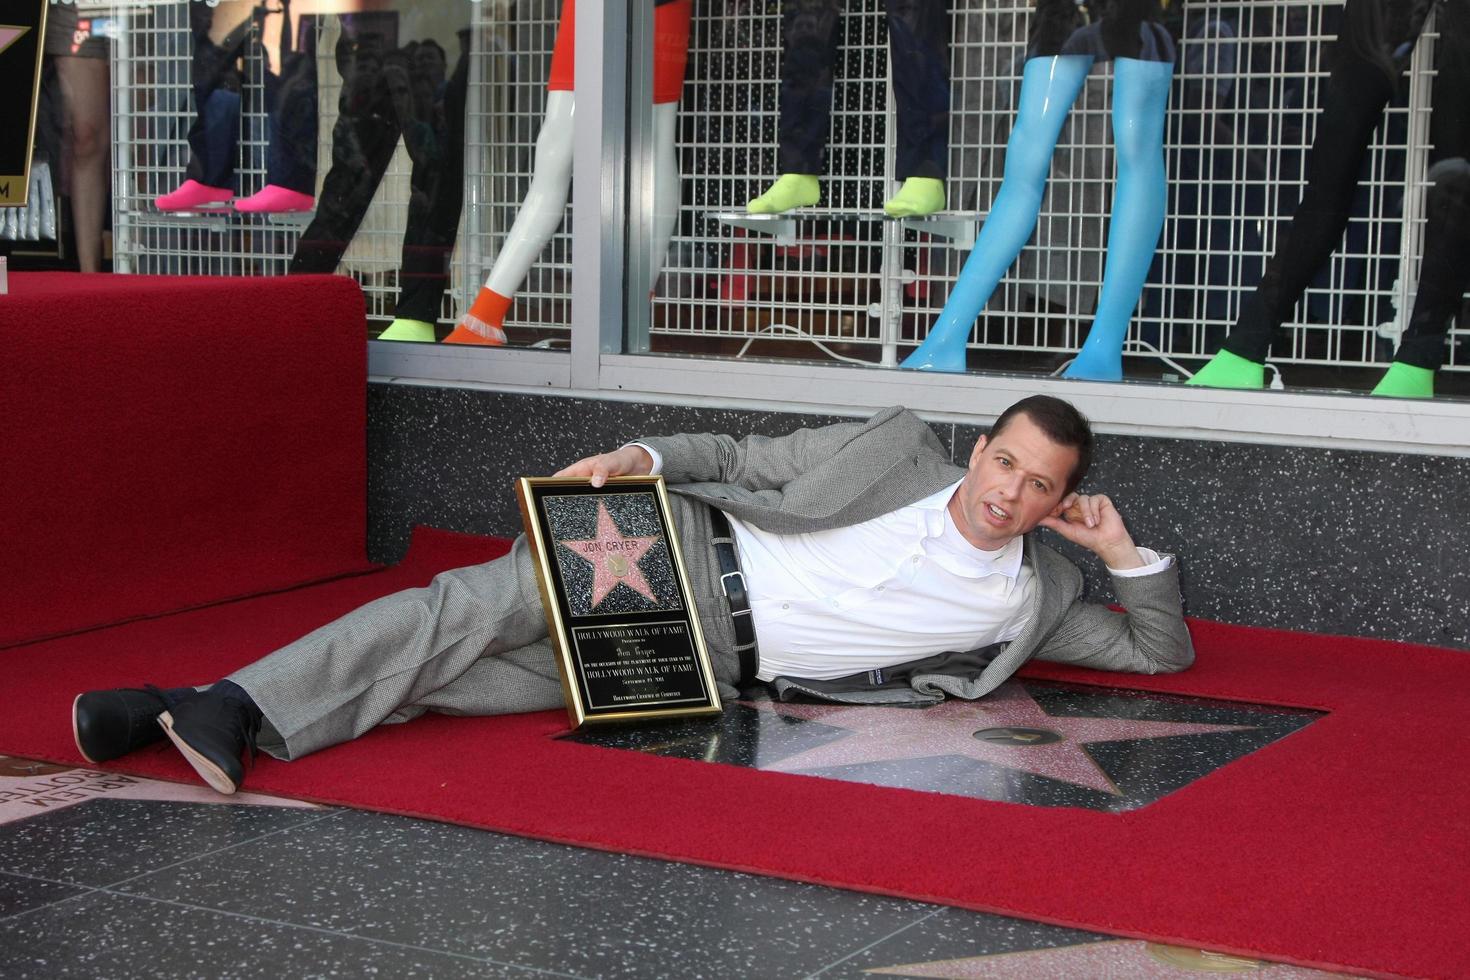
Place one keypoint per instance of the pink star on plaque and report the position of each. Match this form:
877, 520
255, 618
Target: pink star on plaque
614, 558
9, 34
1005, 728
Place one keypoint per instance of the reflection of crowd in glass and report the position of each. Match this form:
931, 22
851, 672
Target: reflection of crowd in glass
388, 91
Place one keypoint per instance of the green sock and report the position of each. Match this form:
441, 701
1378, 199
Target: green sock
789, 191
1227, 370
1406, 381
402, 329
917, 197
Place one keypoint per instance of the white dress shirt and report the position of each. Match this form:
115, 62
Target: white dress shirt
899, 587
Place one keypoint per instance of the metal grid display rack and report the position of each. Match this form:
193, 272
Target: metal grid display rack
839, 275
153, 105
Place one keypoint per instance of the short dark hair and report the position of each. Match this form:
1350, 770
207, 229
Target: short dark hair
1062, 424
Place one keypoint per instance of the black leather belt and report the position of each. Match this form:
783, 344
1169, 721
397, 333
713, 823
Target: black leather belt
732, 583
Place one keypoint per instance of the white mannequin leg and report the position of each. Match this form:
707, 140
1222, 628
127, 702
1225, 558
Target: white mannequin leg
541, 211
540, 214
665, 185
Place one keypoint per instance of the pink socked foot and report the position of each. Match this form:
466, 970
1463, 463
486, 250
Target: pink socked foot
192, 194
273, 198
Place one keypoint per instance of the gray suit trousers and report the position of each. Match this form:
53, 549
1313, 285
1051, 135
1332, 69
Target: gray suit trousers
473, 642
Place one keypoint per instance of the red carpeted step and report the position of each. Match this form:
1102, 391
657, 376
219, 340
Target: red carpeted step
173, 441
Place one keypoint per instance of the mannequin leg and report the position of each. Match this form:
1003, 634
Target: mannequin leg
791, 190
219, 38
919, 196
1140, 93
918, 58
1449, 124
1444, 275
291, 113
809, 51
670, 58
434, 210
433, 133
546, 199
1443, 279
1352, 104
1048, 88
540, 213
666, 194
85, 95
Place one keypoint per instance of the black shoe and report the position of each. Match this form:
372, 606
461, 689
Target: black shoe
108, 724
213, 731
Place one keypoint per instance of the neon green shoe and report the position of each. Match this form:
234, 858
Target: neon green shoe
1406, 381
917, 197
1227, 370
789, 191
402, 329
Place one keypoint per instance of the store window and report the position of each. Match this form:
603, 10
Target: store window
846, 194
625, 222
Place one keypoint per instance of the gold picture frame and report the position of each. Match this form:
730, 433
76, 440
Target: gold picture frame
618, 606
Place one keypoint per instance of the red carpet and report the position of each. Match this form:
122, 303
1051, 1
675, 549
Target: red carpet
172, 441
1344, 846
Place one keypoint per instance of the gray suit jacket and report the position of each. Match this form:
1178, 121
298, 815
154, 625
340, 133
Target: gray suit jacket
840, 475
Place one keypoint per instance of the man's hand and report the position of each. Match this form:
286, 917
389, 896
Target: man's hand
628, 461
1091, 520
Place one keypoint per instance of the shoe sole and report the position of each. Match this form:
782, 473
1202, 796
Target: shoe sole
208, 771
76, 733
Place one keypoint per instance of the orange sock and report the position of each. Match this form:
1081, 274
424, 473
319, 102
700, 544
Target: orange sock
482, 323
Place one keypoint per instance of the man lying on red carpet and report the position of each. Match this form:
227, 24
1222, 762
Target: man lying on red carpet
868, 561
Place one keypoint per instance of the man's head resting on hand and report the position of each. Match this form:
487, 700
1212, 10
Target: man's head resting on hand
1035, 456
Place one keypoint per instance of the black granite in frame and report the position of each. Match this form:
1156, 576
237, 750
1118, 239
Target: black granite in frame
1358, 543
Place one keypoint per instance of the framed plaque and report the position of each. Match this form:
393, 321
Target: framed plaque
625, 627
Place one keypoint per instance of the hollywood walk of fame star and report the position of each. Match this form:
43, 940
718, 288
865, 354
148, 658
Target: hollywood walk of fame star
614, 558
29, 788
1028, 740
1128, 959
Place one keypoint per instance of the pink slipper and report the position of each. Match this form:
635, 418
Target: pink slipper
192, 194
273, 199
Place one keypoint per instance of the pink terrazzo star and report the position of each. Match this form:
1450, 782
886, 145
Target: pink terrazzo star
28, 788
1120, 960
614, 558
1025, 738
